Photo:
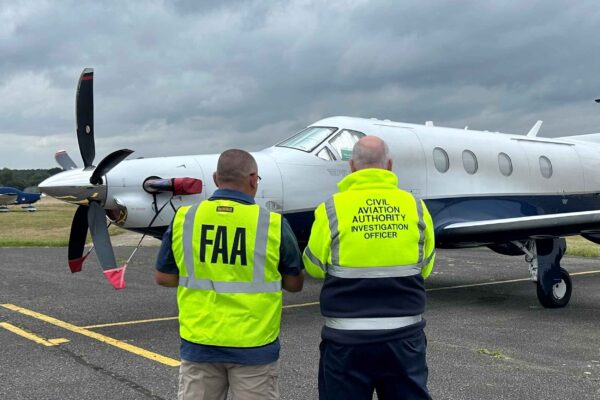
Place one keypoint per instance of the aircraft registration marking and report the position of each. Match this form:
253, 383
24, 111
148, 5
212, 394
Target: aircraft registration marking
102, 338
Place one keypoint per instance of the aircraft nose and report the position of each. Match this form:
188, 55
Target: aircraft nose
73, 186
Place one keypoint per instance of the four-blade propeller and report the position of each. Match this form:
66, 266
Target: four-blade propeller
91, 216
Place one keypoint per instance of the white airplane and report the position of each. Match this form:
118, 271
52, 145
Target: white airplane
517, 195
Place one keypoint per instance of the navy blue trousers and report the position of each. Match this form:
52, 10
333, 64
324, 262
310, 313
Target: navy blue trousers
396, 369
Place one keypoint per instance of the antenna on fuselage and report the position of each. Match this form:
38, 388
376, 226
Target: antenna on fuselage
535, 129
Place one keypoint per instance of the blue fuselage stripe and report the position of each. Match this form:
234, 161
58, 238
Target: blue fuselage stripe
445, 211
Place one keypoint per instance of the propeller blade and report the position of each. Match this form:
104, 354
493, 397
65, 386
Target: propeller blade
77, 237
108, 163
103, 246
63, 159
84, 104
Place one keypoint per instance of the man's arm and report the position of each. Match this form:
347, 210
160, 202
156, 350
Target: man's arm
290, 263
167, 273
317, 251
167, 280
429, 247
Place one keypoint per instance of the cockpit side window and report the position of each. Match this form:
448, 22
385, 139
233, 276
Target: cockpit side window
343, 143
325, 154
308, 139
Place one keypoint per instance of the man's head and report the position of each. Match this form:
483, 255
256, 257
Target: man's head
370, 152
237, 169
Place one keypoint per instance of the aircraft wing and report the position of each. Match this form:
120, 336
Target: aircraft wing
477, 233
7, 198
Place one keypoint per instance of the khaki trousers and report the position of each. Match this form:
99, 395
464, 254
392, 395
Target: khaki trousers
208, 381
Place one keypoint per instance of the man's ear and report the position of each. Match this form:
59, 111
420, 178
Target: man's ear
215, 179
352, 167
389, 164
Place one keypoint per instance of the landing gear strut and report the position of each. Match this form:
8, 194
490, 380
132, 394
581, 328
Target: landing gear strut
553, 283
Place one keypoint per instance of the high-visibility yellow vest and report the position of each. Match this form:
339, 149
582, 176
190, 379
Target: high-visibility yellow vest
370, 223
229, 285
371, 230
377, 229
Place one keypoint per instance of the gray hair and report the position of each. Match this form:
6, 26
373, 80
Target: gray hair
235, 165
370, 152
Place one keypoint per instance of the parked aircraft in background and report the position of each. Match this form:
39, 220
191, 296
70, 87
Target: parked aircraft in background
10, 196
516, 194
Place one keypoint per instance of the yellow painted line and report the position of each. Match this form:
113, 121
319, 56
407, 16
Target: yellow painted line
102, 338
302, 305
464, 286
145, 321
58, 341
477, 284
139, 321
31, 336
585, 272
501, 282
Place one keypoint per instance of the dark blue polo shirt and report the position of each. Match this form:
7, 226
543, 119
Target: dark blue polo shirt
290, 263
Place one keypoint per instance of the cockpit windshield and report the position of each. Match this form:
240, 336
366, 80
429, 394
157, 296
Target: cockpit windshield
308, 139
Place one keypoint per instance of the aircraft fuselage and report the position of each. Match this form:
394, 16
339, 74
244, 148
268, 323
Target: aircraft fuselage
462, 175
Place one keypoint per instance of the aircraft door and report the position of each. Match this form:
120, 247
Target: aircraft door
408, 158
270, 187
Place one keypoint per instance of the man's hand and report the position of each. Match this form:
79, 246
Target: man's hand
292, 283
167, 280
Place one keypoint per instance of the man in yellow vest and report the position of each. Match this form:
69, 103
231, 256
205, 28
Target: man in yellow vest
229, 259
373, 244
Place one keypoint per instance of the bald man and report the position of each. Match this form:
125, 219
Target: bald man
229, 259
373, 245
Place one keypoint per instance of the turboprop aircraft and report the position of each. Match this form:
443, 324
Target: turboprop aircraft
516, 194
9, 196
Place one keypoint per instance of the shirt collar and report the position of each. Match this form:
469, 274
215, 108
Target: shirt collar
368, 178
231, 194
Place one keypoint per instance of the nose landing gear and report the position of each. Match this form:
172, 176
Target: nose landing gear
559, 295
553, 283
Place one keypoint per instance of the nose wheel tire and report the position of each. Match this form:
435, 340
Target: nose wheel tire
559, 295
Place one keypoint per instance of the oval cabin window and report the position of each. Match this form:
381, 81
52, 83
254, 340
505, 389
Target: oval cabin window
505, 164
469, 161
545, 167
441, 160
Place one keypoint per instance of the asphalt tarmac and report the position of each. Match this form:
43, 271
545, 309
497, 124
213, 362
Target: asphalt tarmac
71, 336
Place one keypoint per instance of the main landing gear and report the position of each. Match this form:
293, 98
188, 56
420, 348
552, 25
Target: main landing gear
553, 283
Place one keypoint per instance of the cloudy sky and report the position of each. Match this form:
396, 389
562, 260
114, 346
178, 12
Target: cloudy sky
193, 77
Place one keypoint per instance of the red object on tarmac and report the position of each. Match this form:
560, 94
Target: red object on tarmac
76, 264
116, 277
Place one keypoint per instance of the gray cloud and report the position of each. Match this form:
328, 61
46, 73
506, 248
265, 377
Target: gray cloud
172, 77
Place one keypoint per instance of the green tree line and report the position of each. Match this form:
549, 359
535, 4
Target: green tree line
25, 178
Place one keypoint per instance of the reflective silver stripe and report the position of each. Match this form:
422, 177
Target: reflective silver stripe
260, 245
188, 236
428, 259
421, 226
260, 253
333, 228
361, 324
313, 259
231, 287
375, 272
